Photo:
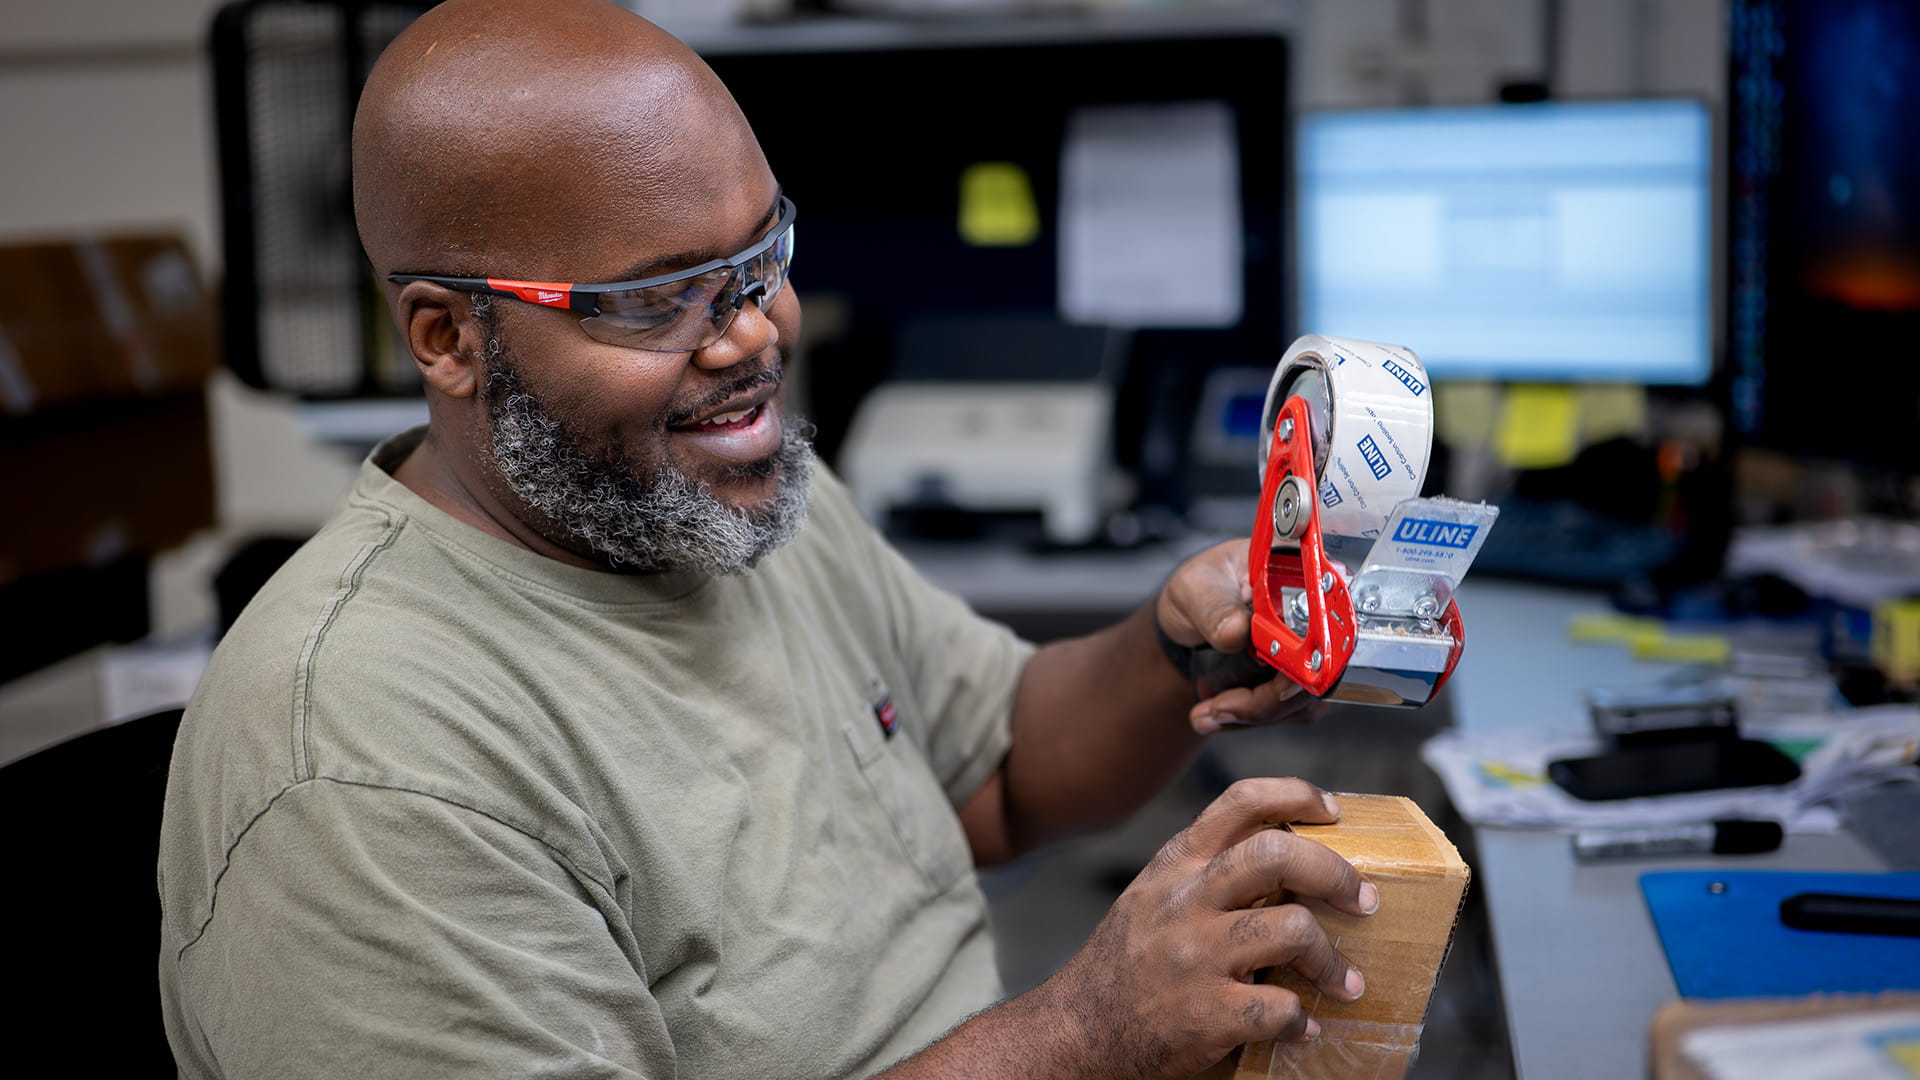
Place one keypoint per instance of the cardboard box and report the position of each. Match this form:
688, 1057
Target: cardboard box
94, 319
1399, 948
1677, 1019
92, 484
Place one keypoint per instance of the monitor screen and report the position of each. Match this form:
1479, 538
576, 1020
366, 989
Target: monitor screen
1548, 242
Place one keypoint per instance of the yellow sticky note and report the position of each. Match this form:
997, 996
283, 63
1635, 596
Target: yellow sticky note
1607, 626
1463, 412
1612, 411
1904, 1053
1896, 639
1499, 774
1685, 649
996, 205
1539, 426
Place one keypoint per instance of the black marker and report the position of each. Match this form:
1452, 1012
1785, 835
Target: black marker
1705, 838
1852, 914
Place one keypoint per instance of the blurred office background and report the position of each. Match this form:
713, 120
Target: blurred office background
1734, 351
110, 127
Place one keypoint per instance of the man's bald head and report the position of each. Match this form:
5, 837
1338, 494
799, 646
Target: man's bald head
510, 138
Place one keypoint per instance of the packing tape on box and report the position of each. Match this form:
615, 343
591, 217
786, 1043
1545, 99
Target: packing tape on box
1345, 1048
1373, 427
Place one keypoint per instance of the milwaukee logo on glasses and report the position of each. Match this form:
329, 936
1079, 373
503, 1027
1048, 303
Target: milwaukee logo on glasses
550, 293
1435, 533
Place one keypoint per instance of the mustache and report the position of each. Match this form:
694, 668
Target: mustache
770, 375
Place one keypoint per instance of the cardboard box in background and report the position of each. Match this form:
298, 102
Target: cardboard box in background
99, 318
106, 345
1399, 948
89, 484
91, 493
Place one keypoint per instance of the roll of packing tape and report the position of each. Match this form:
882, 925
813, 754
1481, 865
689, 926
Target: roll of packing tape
1371, 409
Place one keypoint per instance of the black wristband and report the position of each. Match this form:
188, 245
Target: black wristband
1180, 656
1209, 671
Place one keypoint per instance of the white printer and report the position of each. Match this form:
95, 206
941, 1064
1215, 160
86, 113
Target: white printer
994, 414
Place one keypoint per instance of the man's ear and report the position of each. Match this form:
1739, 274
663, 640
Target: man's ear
447, 343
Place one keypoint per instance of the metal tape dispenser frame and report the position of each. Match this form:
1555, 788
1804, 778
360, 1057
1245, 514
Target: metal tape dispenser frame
1345, 439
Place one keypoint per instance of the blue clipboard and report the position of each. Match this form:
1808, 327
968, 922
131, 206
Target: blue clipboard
1728, 941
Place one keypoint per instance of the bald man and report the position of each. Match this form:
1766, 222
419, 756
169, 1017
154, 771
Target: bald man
596, 736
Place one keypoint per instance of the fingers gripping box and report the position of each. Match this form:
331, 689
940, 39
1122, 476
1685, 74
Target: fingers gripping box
1399, 948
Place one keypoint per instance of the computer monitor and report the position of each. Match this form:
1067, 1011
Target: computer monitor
1554, 242
1824, 224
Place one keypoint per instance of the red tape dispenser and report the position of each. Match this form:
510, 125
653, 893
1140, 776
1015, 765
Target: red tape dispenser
1352, 572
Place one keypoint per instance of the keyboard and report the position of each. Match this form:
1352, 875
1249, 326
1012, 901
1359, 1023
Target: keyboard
1565, 542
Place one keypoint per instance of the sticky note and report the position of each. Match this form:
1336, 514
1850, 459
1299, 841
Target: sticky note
1605, 626
1463, 412
1499, 774
1539, 426
1612, 411
1685, 649
1896, 639
996, 205
1902, 1048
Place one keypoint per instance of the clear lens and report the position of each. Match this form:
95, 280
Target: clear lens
681, 316
673, 317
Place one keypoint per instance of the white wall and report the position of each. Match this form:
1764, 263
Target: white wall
1394, 52
105, 121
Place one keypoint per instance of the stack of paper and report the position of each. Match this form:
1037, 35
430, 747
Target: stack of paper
1502, 779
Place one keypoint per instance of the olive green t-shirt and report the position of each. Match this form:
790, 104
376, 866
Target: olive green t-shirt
442, 806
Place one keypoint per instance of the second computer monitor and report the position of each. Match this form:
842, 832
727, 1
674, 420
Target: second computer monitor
1550, 242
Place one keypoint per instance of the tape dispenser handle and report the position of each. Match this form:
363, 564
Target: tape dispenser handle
1211, 671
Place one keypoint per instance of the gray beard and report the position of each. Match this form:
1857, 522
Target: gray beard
668, 521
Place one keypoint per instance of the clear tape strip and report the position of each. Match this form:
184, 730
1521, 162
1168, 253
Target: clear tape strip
1351, 1049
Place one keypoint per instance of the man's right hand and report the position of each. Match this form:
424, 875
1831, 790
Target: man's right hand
1165, 985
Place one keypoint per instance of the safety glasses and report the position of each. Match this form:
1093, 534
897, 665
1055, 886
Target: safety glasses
678, 312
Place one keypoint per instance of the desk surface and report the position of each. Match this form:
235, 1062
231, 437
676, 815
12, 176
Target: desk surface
1581, 968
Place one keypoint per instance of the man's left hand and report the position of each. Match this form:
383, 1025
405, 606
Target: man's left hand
1208, 602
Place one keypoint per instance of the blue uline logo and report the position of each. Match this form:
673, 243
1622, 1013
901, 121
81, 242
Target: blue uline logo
1435, 533
1404, 376
1330, 495
1376, 460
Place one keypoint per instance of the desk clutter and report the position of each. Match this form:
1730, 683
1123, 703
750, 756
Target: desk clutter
1756, 730
1830, 1037
1503, 779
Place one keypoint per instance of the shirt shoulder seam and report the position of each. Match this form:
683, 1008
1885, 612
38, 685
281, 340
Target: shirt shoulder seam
605, 890
350, 579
